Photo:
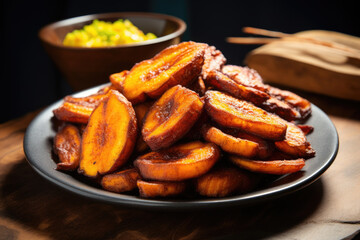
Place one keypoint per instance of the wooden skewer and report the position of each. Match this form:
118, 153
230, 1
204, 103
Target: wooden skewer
263, 32
285, 36
259, 31
250, 40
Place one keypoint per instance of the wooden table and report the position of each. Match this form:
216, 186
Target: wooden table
33, 208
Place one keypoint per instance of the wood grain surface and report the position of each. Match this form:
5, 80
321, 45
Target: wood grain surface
33, 208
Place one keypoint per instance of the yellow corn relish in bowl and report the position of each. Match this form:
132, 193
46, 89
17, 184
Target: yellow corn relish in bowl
88, 49
104, 33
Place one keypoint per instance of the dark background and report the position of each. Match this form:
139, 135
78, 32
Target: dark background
30, 81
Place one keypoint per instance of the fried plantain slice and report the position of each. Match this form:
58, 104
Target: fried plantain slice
224, 181
117, 79
177, 64
109, 137
89, 101
281, 108
179, 162
67, 147
231, 112
78, 110
214, 61
229, 143
301, 104
72, 112
140, 111
122, 181
171, 117
307, 129
106, 89
295, 142
245, 76
223, 83
286, 104
266, 148
263, 150
276, 167
154, 189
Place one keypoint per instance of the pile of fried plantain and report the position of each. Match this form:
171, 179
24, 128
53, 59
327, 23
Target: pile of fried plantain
183, 122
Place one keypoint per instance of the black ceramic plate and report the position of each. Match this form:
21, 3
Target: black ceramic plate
38, 151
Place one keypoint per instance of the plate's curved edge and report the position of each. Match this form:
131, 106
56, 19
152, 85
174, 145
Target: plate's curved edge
168, 205
320, 171
337, 143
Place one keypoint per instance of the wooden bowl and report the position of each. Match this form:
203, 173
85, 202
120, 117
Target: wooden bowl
86, 67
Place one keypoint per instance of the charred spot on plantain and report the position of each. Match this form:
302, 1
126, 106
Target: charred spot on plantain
164, 111
175, 155
66, 145
101, 138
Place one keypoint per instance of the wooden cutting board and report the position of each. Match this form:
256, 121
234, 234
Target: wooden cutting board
309, 66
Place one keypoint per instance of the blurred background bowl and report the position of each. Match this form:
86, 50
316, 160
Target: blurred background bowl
86, 67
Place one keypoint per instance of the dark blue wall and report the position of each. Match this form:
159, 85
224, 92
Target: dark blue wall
29, 80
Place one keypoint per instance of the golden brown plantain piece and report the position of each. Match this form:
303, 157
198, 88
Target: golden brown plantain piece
179, 162
122, 181
214, 60
229, 143
223, 83
301, 104
89, 101
307, 129
276, 167
281, 108
245, 76
78, 110
224, 181
265, 149
231, 112
171, 117
117, 79
177, 64
106, 89
286, 104
295, 142
140, 111
67, 147
109, 137
71, 112
154, 189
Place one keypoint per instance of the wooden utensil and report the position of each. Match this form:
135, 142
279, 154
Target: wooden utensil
318, 61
